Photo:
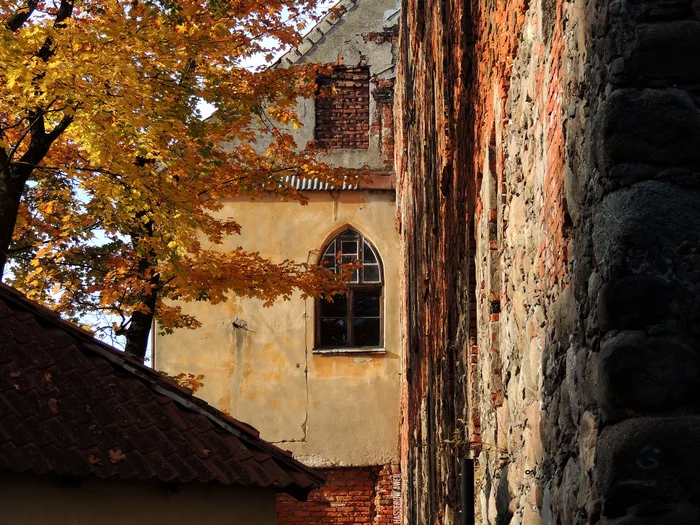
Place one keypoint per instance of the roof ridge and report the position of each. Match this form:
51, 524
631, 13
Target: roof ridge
325, 24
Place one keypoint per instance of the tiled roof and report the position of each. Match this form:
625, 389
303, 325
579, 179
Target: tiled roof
72, 405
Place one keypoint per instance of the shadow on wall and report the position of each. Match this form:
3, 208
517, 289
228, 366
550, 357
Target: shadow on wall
620, 428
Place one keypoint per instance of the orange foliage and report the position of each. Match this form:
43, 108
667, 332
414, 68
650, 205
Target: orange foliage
118, 205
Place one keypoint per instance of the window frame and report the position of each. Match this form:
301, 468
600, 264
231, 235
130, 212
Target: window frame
351, 347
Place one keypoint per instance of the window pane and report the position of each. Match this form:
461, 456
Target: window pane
366, 303
328, 261
371, 273
369, 254
333, 332
338, 308
330, 251
366, 332
349, 248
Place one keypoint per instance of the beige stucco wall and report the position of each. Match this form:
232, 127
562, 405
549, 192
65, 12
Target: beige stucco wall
44, 500
328, 410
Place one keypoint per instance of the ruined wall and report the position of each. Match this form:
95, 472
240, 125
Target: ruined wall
432, 121
342, 109
361, 36
578, 231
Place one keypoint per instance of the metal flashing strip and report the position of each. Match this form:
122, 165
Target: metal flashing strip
301, 183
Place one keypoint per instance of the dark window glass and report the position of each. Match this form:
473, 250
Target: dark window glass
366, 331
337, 308
366, 302
333, 332
369, 254
371, 274
349, 248
328, 261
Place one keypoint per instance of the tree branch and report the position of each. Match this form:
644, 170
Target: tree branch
65, 10
8, 158
22, 14
60, 128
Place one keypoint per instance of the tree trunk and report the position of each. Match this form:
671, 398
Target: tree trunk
141, 321
12, 183
14, 175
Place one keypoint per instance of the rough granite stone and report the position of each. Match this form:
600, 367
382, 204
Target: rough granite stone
659, 127
633, 302
649, 459
666, 51
649, 374
647, 215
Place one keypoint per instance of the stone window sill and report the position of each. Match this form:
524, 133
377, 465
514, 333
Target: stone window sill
349, 351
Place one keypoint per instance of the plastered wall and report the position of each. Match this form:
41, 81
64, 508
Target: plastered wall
329, 410
37, 500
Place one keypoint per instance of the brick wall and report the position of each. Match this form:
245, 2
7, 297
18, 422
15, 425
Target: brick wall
357, 495
481, 163
342, 109
433, 166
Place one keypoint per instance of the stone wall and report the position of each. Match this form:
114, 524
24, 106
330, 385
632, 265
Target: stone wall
641, 253
359, 495
551, 227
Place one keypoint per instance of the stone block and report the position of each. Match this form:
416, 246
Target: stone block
633, 302
660, 9
659, 514
648, 214
646, 460
665, 51
659, 127
647, 374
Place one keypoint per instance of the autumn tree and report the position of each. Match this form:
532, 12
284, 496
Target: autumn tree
110, 180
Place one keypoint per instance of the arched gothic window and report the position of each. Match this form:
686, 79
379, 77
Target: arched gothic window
354, 319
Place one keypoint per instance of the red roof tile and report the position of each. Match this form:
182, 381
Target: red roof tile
72, 405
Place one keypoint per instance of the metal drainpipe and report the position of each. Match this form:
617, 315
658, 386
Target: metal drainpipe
467, 467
